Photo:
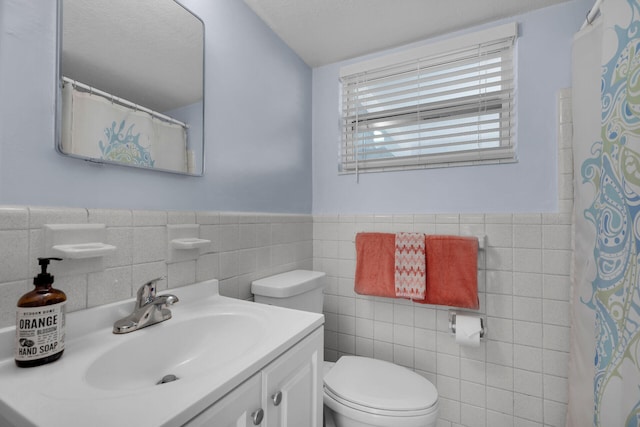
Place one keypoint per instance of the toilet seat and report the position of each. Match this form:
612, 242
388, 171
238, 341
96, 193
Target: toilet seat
380, 388
376, 411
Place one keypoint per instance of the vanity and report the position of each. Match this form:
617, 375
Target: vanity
217, 362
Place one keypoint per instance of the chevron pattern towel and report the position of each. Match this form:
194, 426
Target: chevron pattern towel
410, 266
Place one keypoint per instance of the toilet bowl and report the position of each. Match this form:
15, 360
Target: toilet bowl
358, 391
363, 392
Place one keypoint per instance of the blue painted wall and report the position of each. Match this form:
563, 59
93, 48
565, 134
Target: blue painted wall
257, 115
261, 133
543, 67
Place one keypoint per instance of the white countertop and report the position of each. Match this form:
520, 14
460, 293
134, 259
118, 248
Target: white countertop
59, 393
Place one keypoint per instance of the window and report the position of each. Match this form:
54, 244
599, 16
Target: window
439, 105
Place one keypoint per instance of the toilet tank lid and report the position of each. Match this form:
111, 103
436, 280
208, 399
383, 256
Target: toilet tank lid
288, 284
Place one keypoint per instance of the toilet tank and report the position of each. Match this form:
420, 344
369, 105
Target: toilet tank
298, 289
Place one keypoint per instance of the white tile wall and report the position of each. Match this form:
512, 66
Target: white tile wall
518, 376
244, 247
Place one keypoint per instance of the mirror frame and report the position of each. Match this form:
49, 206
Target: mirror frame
58, 103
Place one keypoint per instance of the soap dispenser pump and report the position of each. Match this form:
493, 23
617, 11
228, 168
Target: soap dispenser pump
40, 321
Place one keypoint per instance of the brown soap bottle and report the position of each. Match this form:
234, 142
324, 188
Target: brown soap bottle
40, 321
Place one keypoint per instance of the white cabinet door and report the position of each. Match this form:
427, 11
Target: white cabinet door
286, 393
292, 385
240, 408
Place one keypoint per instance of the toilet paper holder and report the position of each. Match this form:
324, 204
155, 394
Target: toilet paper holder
452, 324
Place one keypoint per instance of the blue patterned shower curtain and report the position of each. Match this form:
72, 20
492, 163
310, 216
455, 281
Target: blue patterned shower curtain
604, 366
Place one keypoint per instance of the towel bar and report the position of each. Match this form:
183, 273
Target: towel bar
481, 241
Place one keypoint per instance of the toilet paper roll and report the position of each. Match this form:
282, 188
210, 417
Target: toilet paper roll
468, 330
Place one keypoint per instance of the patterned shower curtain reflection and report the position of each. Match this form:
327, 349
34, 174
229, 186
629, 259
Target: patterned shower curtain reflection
604, 368
95, 127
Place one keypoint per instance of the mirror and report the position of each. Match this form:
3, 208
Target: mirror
130, 87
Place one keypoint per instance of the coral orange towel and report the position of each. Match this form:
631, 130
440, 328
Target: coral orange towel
375, 264
452, 271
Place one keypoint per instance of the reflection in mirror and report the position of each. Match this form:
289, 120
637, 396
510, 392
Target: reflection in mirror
131, 84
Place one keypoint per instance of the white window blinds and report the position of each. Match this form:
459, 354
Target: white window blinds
437, 105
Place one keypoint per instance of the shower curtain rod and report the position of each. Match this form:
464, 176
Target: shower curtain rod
124, 102
593, 12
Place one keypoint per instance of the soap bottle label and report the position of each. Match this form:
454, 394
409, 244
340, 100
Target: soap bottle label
39, 331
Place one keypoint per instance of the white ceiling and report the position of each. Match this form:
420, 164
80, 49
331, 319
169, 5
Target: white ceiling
326, 31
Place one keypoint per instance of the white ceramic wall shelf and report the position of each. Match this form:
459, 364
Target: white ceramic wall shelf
83, 250
81, 246
183, 242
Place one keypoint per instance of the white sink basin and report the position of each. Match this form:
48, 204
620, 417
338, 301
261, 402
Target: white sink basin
211, 344
185, 349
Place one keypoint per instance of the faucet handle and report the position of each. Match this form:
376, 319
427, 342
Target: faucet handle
147, 292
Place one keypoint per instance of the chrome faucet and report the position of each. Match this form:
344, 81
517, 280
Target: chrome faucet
149, 310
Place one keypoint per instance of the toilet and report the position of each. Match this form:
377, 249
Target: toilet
358, 391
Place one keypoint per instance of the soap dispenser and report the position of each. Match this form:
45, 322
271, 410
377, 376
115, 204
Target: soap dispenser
40, 321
